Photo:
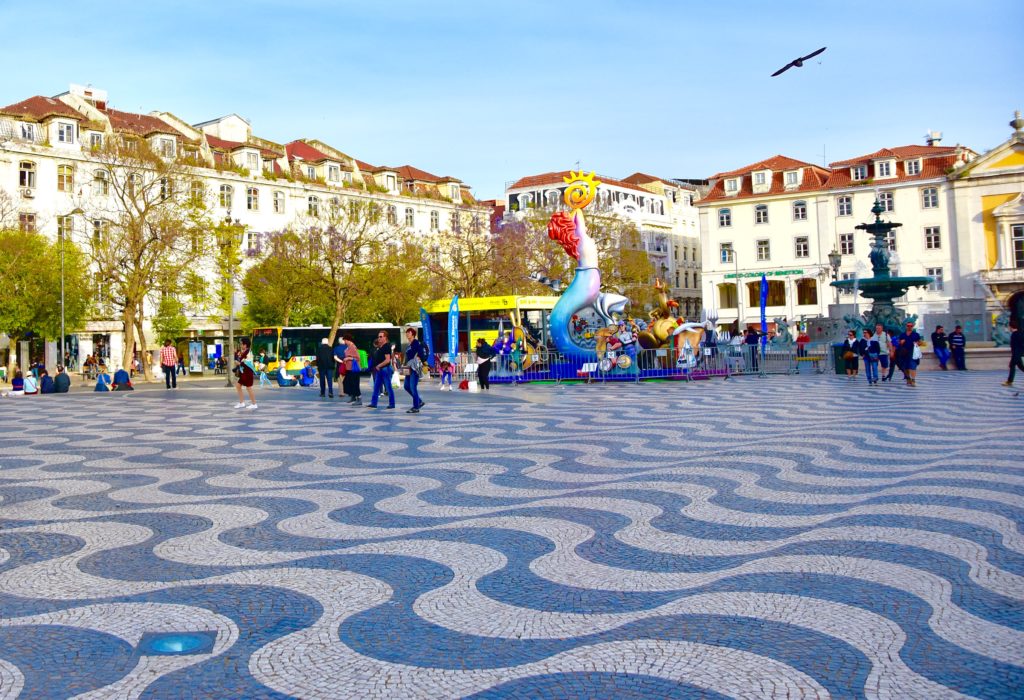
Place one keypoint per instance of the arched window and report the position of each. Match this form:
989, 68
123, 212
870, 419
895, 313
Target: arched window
807, 291
101, 183
761, 214
393, 215
552, 198
725, 218
800, 210
279, 202
196, 191
410, 217
26, 174
252, 199
434, 220
313, 206
227, 195
727, 295
65, 178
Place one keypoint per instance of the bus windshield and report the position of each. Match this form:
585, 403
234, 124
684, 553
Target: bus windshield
265, 340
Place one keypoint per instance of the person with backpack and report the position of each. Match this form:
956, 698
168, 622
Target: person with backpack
415, 358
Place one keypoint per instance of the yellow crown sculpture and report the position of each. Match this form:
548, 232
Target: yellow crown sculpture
581, 190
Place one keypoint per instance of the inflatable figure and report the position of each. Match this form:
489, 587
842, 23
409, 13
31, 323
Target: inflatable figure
663, 324
569, 229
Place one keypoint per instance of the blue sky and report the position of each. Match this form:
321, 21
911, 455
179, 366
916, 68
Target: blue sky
489, 92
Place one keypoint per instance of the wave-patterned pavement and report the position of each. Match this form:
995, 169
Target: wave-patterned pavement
774, 538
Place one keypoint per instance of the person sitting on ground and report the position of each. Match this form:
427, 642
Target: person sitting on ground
102, 379
122, 382
45, 382
283, 379
31, 385
62, 382
17, 386
308, 375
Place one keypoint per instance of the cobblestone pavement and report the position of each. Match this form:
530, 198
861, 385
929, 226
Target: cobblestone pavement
783, 537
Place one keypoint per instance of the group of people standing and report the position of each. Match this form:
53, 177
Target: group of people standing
878, 349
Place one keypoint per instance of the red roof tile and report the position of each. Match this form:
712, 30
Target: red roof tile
814, 178
408, 172
557, 179
225, 145
776, 162
931, 168
900, 152
366, 167
141, 124
301, 149
38, 108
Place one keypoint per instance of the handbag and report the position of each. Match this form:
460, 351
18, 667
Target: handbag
917, 352
848, 355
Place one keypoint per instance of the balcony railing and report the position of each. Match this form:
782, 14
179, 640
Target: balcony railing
1003, 275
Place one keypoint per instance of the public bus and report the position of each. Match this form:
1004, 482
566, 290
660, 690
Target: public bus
487, 317
296, 345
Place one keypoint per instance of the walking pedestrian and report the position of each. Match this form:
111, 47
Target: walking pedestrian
872, 352
325, 367
351, 368
415, 357
484, 357
169, 364
1016, 351
382, 365
851, 351
245, 373
958, 346
884, 346
908, 353
940, 346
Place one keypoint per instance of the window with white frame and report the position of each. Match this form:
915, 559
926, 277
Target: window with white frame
99, 232
313, 205
932, 238
410, 217
333, 173
844, 206
938, 283
764, 251
95, 141
759, 178
930, 198
65, 178
1017, 240
268, 164
727, 254
346, 177
392, 215
167, 148
311, 172
731, 185
800, 210
101, 183
846, 243
886, 199
846, 290
28, 131
279, 202
251, 241
859, 172
761, 214
883, 168
803, 247
196, 191
914, 166
435, 220
66, 132
724, 218
227, 194
26, 174
792, 178
252, 162
252, 199
890, 240
166, 188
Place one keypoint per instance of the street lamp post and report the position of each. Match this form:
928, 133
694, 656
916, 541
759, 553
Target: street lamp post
63, 234
834, 261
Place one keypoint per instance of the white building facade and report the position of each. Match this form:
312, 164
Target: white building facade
47, 170
662, 210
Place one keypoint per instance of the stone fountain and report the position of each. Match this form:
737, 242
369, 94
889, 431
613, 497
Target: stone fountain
881, 287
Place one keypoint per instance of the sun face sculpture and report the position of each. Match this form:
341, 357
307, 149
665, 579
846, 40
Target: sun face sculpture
581, 189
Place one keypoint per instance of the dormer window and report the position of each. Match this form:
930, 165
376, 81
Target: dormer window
391, 183
268, 164
65, 132
454, 189
914, 167
252, 162
792, 178
333, 173
759, 178
884, 168
859, 172
731, 185
311, 172
95, 141
346, 177
166, 147
28, 131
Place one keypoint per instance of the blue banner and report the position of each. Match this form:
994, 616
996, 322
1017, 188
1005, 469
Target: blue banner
764, 315
453, 329
428, 336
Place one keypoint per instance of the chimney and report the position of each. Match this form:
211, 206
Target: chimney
94, 96
933, 138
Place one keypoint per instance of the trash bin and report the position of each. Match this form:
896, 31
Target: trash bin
837, 356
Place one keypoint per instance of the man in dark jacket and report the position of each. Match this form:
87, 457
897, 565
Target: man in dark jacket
939, 342
325, 367
62, 382
1016, 351
957, 345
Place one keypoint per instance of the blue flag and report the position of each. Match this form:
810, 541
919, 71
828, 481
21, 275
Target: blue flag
428, 336
453, 329
764, 316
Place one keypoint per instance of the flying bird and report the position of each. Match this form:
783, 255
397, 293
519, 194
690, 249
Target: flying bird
798, 62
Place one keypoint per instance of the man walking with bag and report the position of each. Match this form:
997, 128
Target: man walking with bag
415, 355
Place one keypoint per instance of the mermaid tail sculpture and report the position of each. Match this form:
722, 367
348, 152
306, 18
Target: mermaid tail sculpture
570, 230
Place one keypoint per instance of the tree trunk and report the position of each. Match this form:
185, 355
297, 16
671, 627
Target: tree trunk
339, 307
128, 319
144, 352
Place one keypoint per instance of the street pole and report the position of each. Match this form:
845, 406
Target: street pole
231, 330
739, 300
62, 336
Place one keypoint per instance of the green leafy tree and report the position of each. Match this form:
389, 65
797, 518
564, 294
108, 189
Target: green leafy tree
170, 320
282, 288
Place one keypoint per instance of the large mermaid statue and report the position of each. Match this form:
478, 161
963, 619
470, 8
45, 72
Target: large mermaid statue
570, 230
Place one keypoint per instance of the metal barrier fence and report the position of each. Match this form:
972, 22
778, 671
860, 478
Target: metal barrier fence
705, 362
